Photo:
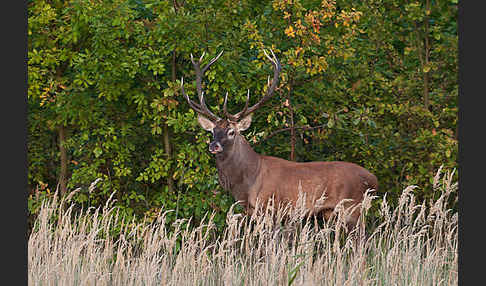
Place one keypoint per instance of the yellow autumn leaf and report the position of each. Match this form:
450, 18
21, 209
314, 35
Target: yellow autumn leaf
297, 51
290, 31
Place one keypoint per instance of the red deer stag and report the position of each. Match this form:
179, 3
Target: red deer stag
250, 176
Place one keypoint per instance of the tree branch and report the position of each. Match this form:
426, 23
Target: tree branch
303, 128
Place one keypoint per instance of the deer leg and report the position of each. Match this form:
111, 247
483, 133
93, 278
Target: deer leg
351, 223
326, 214
352, 220
249, 209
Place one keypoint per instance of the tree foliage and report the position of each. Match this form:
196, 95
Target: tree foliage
372, 82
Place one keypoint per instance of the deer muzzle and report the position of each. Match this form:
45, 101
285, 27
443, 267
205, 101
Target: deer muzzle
215, 147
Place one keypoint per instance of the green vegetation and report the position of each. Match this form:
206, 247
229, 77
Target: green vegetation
372, 82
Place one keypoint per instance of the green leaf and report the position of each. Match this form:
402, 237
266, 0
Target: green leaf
97, 151
330, 123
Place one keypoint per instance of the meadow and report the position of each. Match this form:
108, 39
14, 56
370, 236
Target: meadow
410, 244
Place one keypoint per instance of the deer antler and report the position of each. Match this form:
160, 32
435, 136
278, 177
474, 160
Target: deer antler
201, 107
271, 88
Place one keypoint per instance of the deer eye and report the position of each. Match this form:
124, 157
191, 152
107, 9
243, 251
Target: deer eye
231, 132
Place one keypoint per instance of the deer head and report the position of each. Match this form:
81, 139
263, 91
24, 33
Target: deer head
226, 131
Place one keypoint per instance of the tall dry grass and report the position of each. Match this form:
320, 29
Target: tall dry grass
413, 244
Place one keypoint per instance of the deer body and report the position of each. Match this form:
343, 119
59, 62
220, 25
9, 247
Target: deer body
251, 177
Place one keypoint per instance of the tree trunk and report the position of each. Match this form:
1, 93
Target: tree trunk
168, 153
426, 57
426, 91
423, 48
166, 130
64, 161
427, 51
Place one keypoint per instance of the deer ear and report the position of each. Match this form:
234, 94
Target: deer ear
244, 123
205, 123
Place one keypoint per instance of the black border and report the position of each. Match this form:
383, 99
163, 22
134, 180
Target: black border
14, 141
471, 168
460, 128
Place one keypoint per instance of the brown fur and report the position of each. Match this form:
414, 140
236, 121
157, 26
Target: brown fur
250, 176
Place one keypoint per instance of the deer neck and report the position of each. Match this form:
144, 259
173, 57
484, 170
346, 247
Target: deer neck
238, 170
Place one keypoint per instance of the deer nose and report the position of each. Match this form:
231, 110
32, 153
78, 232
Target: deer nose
215, 147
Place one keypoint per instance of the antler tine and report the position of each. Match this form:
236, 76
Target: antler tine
206, 109
202, 107
212, 61
192, 104
265, 52
239, 114
202, 56
224, 104
236, 116
199, 108
273, 58
225, 110
271, 88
